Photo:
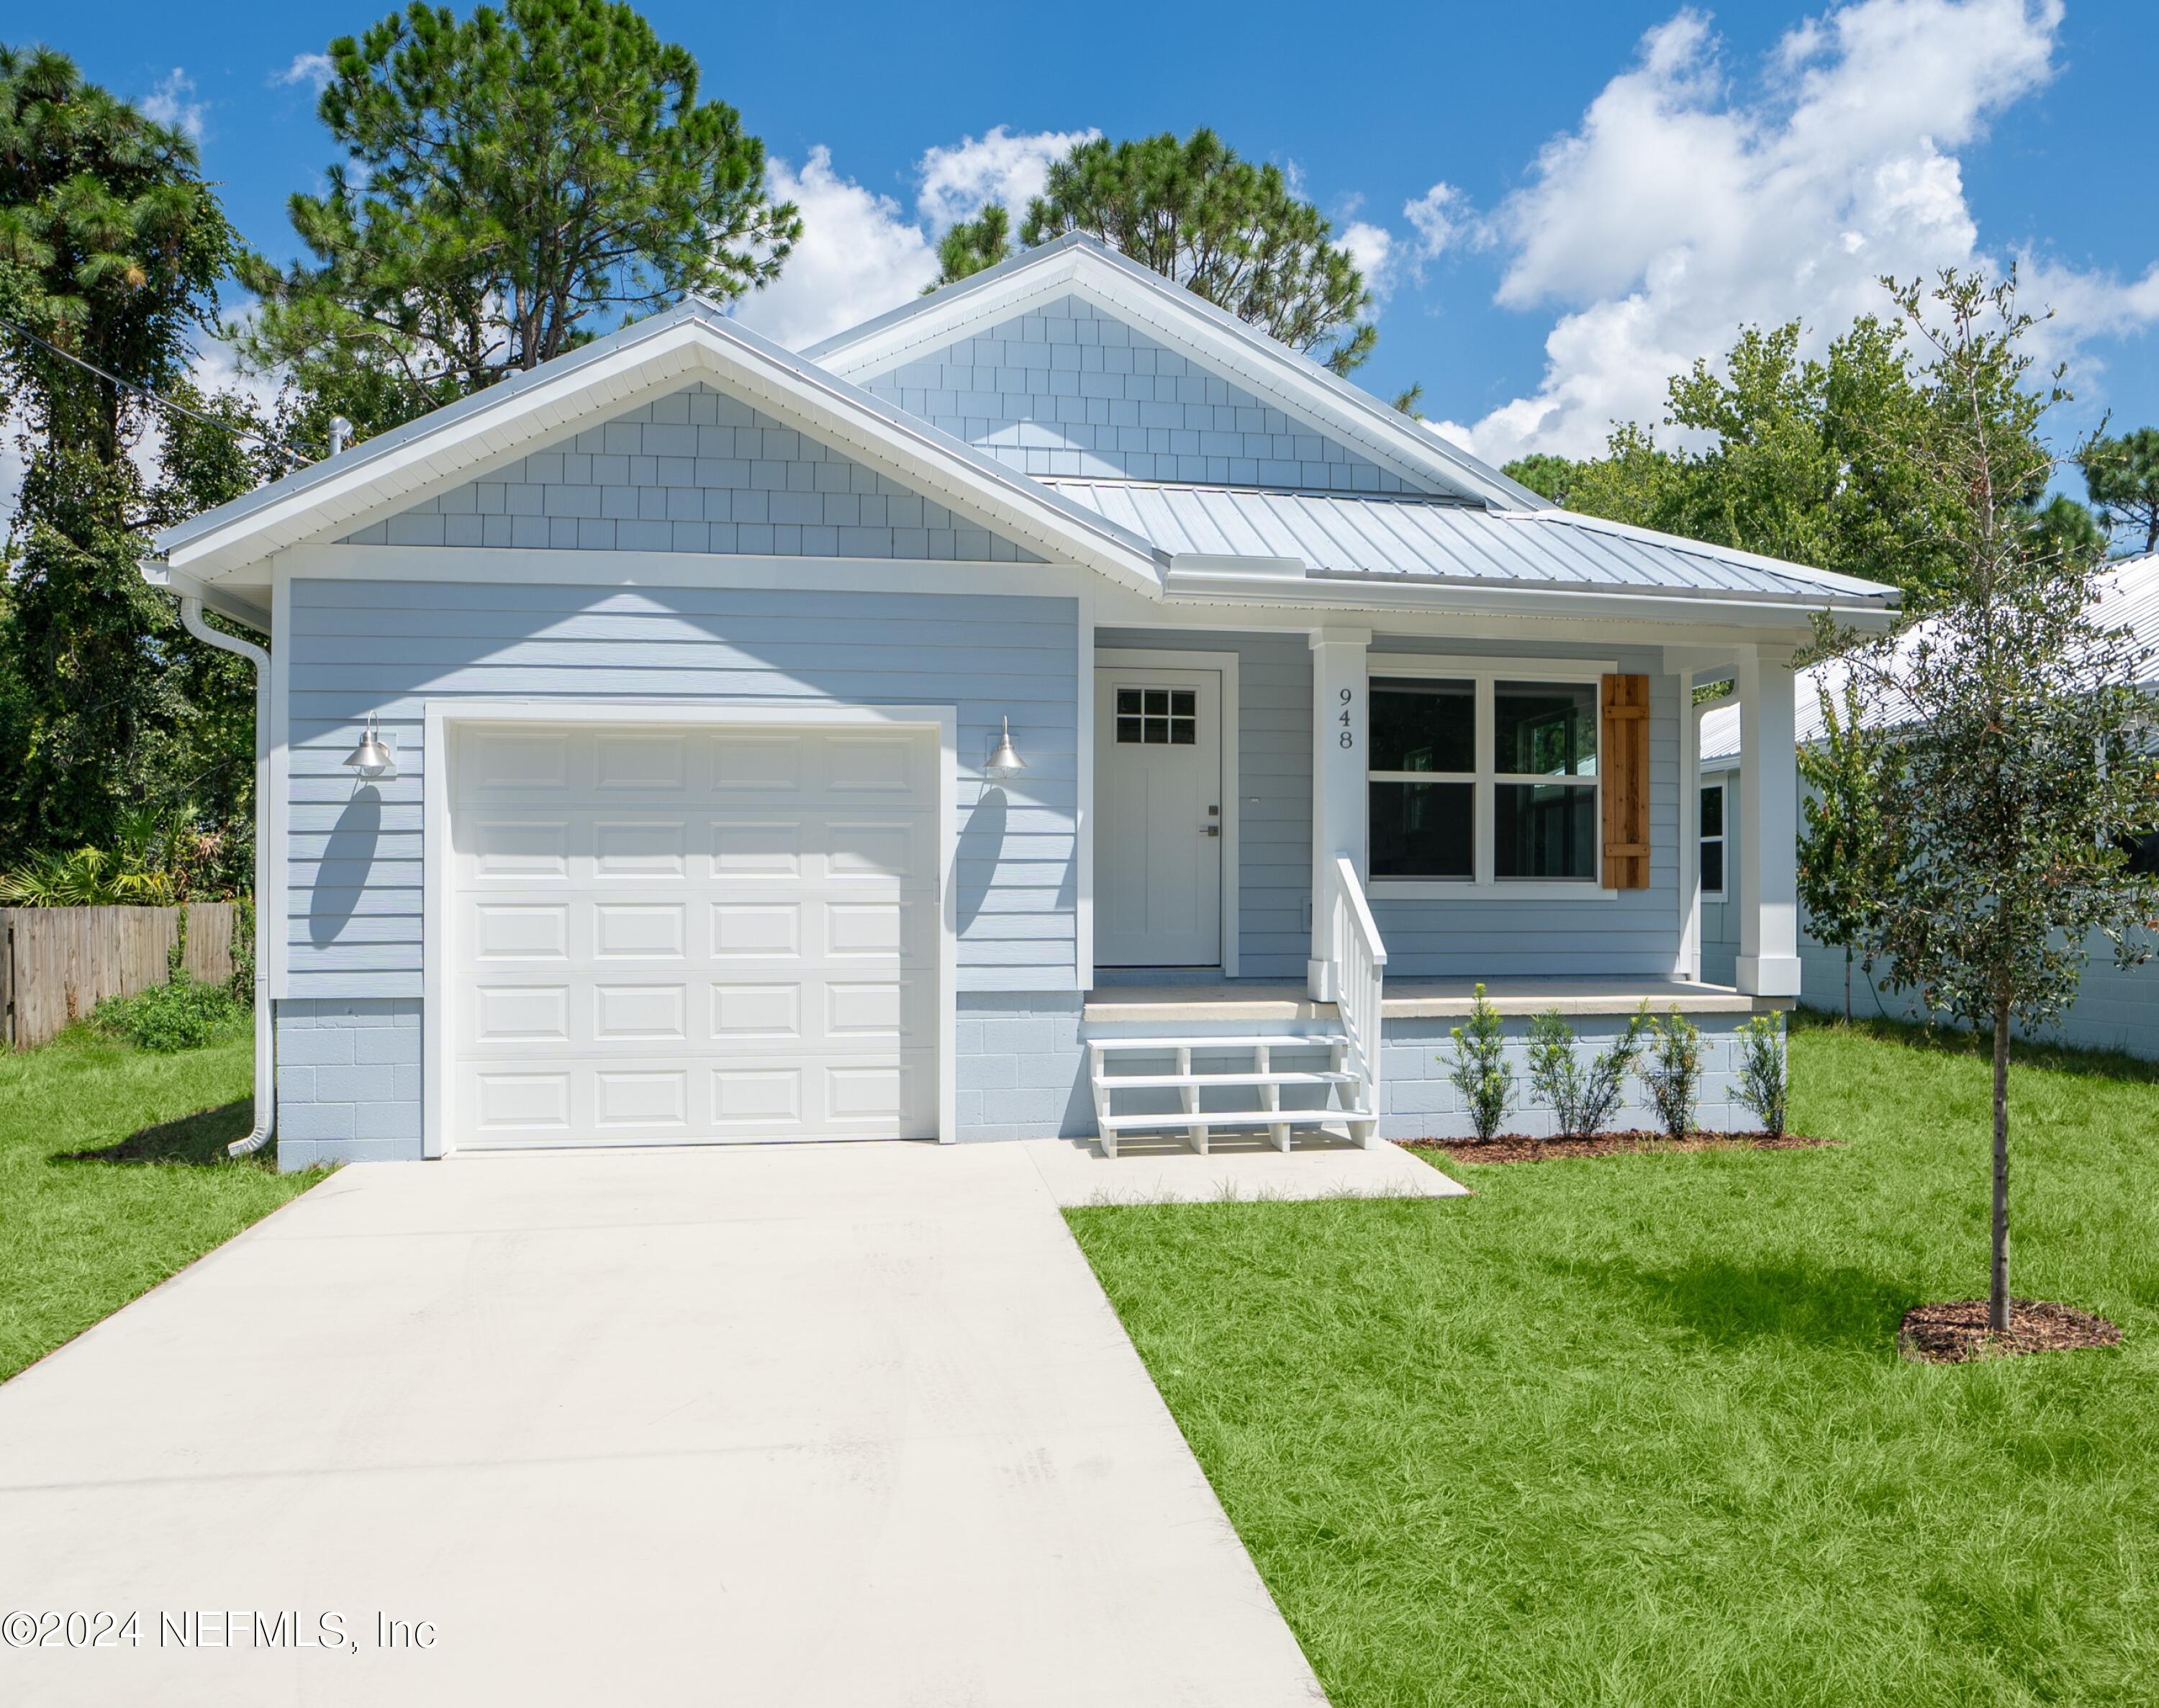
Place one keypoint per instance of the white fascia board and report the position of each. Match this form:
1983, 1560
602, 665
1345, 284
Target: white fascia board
409, 469
1107, 281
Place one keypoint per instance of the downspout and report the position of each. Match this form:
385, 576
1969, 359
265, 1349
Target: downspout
266, 1062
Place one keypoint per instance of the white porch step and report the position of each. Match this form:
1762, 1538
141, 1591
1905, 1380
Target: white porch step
1161, 1082
1274, 1041
1236, 1118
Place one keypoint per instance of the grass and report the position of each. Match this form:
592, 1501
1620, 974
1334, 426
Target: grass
1633, 1431
113, 1175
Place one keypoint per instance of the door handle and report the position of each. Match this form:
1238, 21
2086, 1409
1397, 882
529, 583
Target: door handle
1210, 829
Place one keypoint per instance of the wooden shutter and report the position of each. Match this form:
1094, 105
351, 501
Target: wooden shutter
1624, 758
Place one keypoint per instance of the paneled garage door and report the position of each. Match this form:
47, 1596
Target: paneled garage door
683, 935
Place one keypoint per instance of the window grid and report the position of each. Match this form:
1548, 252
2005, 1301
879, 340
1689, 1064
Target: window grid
1158, 717
1487, 780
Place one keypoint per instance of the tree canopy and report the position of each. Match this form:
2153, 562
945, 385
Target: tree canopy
1196, 211
507, 180
2121, 476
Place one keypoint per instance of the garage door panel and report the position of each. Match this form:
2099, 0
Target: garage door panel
676, 935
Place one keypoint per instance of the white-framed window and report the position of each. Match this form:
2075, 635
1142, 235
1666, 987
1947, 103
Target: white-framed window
1483, 774
1712, 822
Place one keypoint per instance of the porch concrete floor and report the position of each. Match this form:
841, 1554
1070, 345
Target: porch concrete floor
1409, 999
1161, 1168
804, 1424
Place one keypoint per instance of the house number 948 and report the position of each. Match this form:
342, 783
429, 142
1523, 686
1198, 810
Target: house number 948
1347, 737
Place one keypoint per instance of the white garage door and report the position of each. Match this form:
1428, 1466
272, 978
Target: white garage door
664, 935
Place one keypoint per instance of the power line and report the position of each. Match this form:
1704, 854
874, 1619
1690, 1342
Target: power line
163, 402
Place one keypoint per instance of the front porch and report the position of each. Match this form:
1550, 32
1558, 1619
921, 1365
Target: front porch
1171, 996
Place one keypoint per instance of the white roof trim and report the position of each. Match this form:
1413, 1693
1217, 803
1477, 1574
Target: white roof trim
1076, 265
694, 341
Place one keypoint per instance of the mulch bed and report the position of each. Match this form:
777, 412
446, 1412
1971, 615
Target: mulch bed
1517, 1147
1956, 1332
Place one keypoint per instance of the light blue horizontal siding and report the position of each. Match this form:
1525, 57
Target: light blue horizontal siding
354, 860
695, 471
1621, 934
1070, 389
1273, 788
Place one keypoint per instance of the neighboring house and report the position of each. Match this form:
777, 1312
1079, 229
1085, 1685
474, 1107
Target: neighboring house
693, 656
2115, 1008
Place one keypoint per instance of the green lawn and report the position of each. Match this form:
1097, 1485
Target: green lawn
113, 1175
1633, 1431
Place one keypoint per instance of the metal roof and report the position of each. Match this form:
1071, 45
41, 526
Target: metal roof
2129, 599
1423, 540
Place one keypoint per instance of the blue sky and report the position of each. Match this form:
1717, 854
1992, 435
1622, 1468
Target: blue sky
1559, 211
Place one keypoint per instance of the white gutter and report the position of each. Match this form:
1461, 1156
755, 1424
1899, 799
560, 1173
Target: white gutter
266, 1060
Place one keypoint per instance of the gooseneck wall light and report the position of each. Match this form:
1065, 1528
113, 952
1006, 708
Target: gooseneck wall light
1007, 759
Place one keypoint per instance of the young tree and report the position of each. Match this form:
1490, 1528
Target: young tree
1848, 857
113, 245
2122, 478
2027, 761
1226, 230
508, 180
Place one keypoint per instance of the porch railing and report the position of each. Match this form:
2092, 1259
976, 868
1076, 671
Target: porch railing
1357, 962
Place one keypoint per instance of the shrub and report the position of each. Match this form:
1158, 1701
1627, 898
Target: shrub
1582, 1099
1764, 1071
183, 1015
1674, 1073
1481, 1072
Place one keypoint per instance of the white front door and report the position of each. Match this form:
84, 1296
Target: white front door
669, 934
1158, 818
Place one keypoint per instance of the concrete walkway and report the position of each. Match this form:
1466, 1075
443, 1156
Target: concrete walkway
803, 1424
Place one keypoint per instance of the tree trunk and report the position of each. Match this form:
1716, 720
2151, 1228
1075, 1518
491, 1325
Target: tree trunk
1997, 1308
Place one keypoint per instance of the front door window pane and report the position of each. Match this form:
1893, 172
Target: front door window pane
1544, 830
1423, 830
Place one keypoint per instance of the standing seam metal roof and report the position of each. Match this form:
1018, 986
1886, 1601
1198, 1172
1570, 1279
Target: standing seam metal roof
1418, 540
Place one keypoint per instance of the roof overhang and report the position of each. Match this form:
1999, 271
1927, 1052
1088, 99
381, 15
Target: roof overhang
1076, 265
696, 341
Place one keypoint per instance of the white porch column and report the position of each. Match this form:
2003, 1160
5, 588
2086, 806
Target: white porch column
1768, 825
1688, 960
1339, 684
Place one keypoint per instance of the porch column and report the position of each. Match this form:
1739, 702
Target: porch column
1338, 794
1768, 825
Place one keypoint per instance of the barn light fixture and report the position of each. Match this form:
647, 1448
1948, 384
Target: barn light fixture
371, 759
1007, 759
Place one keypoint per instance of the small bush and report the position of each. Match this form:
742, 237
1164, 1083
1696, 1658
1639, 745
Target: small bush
1765, 1071
1581, 1099
183, 1015
1674, 1073
1481, 1072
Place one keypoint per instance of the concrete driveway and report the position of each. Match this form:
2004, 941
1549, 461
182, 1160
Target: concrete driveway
802, 1425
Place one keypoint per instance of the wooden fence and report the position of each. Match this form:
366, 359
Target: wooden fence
57, 964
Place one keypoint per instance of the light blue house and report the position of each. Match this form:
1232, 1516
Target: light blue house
1053, 680
2116, 1007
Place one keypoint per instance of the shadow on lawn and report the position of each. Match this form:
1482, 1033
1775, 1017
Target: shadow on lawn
196, 1140
1949, 1040
1732, 1304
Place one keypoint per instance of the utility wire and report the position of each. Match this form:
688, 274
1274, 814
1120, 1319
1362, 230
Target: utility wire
144, 391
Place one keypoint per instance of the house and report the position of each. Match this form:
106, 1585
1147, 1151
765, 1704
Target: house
2116, 1007
1052, 680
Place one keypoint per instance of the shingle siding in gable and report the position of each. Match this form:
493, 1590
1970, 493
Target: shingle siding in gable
1067, 390
697, 471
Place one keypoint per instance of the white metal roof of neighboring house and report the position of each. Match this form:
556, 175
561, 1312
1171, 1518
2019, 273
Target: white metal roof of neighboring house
2129, 599
1421, 540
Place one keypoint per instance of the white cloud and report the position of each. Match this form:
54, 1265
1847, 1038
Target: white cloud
169, 104
312, 68
1679, 210
957, 180
859, 255
862, 253
1442, 219
1372, 247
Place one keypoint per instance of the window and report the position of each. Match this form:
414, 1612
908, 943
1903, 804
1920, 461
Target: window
1481, 779
1158, 717
1712, 841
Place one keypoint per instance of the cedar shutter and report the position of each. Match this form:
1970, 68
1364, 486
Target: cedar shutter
1625, 759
